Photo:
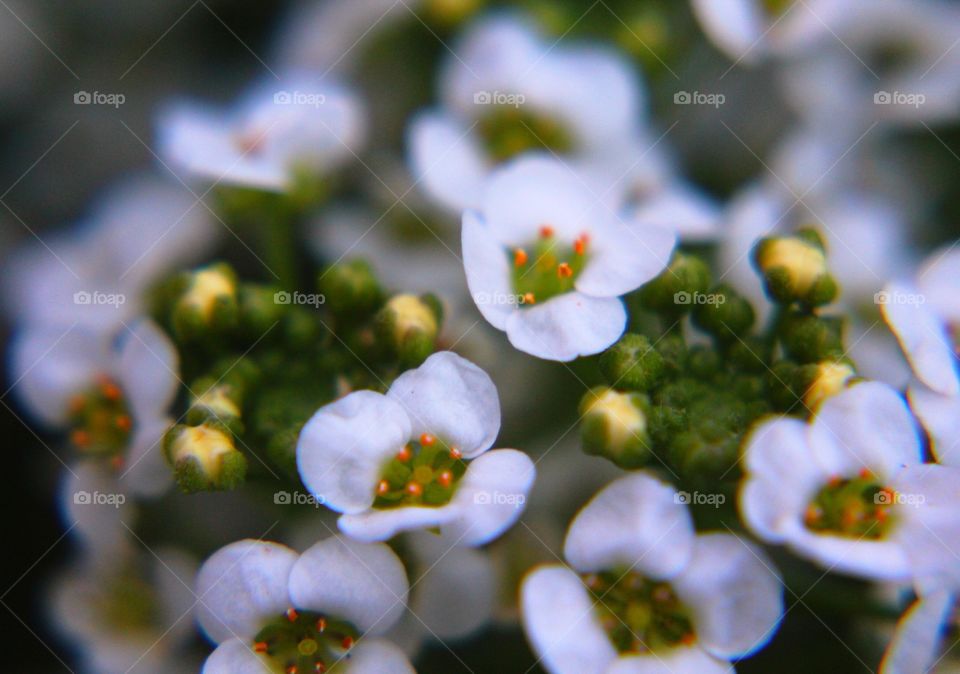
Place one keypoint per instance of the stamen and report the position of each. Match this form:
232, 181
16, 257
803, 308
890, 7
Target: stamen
123, 422
383, 487
564, 270
347, 642
116, 462
445, 478
528, 298
519, 257
580, 245
260, 647
292, 614
455, 453
546, 231
321, 625
866, 473
80, 438
404, 454
292, 669
414, 488
110, 391
426, 439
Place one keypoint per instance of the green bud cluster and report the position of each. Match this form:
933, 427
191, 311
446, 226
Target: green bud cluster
794, 269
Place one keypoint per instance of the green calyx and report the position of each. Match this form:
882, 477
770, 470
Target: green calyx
633, 363
547, 267
423, 473
305, 642
640, 615
408, 327
678, 288
510, 130
794, 269
100, 420
614, 425
854, 508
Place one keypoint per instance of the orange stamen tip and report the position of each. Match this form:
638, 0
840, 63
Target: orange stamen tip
519, 257
564, 270
835, 481
455, 453
580, 245
123, 422
80, 438
529, 298
383, 487
116, 462
865, 473
347, 642
110, 391
77, 403
880, 514
292, 614
688, 638
404, 454
546, 231
811, 515
260, 647
292, 669
445, 479
321, 624
414, 488
320, 668
426, 439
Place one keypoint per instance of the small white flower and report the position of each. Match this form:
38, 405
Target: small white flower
269, 608
417, 457
644, 592
509, 91
917, 639
278, 131
925, 316
547, 262
849, 491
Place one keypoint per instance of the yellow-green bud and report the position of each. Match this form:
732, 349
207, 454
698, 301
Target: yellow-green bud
409, 326
351, 288
824, 380
204, 458
614, 425
794, 269
207, 303
632, 363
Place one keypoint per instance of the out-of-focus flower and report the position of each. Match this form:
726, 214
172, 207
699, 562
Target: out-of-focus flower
547, 262
508, 92
280, 133
269, 608
849, 491
417, 457
644, 591
918, 636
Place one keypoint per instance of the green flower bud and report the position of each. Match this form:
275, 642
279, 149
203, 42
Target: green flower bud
632, 363
704, 362
259, 309
820, 381
204, 458
351, 288
674, 352
208, 303
794, 269
724, 314
677, 287
810, 339
614, 425
749, 354
218, 403
409, 325
451, 12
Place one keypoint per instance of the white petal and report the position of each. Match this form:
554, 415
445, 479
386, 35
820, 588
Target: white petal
939, 280
567, 326
918, 636
624, 257
491, 496
236, 657
373, 525
782, 477
242, 586
735, 594
488, 271
940, 416
922, 337
560, 621
446, 158
865, 426
360, 582
95, 507
636, 521
145, 470
693, 660
865, 558
343, 447
377, 656
149, 370
453, 399
693, 215
735, 26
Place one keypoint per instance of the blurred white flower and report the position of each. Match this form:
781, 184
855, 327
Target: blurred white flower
416, 458
918, 637
645, 592
547, 262
269, 608
281, 131
507, 91
848, 490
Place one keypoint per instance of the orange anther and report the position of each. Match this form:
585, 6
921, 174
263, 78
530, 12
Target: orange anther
80, 438
110, 391
260, 647
404, 454
546, 231
347, 642
321, 624
580, 245
445, 478
519, 257
564, 270
529, 298
414, 488
455, 453
123, 422
292, 614
426, 439
383, 487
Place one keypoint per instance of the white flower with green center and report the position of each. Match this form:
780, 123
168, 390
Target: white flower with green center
644, 592
272, 610
417, 457
848, 490
509, 91
280, 133
925, 316
547, 262
917, 642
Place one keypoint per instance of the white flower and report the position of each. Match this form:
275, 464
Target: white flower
547, 262
849, 491
276, 133
269, 608
114, 396
644, 592
925, 316
918, 636
417, 457
509, 91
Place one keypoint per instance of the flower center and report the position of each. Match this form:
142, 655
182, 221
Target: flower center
638, 614
775, 8
303, 642
424, 473
548, 267
100, 420
510, 130
854, 508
